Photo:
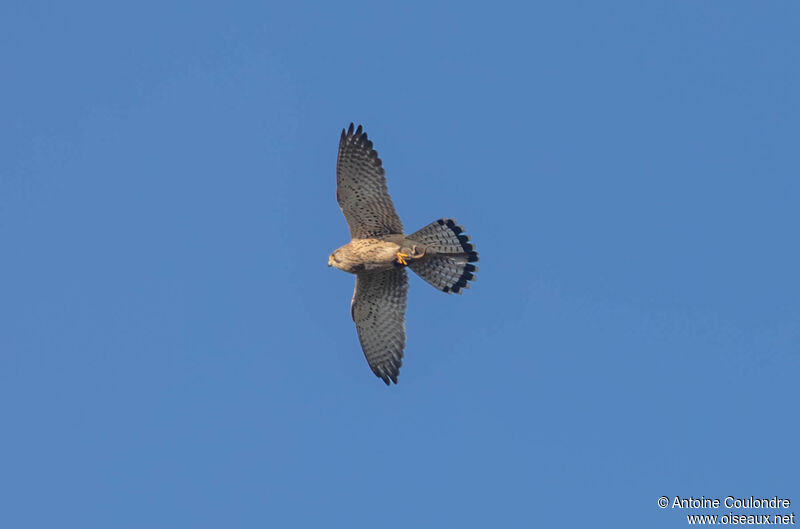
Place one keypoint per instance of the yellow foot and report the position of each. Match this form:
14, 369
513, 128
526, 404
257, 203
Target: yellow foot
401, 258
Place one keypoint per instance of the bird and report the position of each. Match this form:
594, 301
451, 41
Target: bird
379, 253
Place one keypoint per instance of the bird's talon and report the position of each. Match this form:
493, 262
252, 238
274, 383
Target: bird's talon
401, 258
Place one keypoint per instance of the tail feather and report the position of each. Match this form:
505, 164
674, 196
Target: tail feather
447, 264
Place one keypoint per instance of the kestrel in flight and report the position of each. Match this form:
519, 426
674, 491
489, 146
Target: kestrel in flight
379, 254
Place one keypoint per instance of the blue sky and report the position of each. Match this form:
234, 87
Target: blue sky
174, 351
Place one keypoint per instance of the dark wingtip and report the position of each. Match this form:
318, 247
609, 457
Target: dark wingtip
388, 372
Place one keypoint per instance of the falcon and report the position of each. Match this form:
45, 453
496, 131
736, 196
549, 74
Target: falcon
379, 253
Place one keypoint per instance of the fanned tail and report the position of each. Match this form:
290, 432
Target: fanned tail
447, 263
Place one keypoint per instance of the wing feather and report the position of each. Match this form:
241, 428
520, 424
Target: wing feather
378, 309
361, 188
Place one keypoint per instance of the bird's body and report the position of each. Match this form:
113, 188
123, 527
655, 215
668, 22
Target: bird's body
360, 255
379, 253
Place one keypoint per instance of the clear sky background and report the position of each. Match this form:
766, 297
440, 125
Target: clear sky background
174, 351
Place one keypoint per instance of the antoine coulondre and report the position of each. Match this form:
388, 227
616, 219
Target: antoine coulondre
731, 502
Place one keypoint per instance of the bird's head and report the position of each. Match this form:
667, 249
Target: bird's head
340, 259
336, 259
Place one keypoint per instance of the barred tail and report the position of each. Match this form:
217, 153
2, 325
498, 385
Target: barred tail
447, 264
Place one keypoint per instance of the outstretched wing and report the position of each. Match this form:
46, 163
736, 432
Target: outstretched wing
361, 188
378, 309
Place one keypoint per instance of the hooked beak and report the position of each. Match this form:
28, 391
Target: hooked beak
330, 261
